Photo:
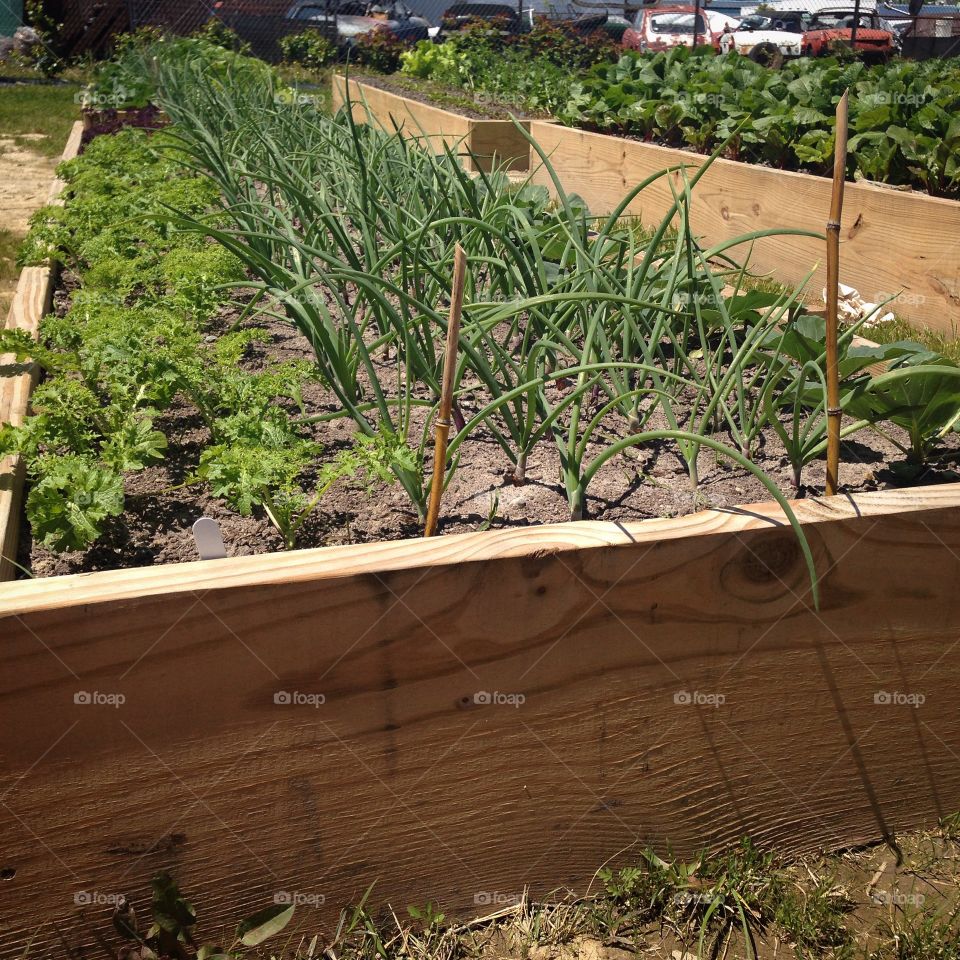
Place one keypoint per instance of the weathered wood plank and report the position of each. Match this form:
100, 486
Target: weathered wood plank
401, 776
492, 142
31, 301
894, 243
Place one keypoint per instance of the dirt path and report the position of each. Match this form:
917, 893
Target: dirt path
25, 178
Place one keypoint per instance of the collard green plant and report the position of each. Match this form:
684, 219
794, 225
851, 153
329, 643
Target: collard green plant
921, 398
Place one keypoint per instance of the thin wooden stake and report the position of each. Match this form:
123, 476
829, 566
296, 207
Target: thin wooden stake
833, 282
446, 395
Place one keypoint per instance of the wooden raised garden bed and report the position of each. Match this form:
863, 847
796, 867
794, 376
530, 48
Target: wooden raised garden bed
460, 718
893, 242
471, 715
491, 142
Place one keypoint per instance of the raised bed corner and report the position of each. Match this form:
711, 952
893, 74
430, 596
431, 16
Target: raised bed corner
490, 143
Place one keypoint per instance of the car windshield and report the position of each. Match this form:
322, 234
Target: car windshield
486, 10
797, 22
755, 22
312, 13
832, 21
676, 23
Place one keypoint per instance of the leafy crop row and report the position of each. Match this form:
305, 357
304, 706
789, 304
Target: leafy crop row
904, 115
133, 341
530, 71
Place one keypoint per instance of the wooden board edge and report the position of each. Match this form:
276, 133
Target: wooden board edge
324, 563
31, 300
672, 154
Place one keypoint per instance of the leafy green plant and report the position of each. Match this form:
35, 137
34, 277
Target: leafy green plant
70, 500
427, 58
310, 49
132, 342
902, 114
216, 32
922, 398
379, 50
428, 915
171, 932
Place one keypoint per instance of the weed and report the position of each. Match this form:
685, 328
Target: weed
813, 919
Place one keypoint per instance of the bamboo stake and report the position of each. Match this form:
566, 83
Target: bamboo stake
442, 429
833, 281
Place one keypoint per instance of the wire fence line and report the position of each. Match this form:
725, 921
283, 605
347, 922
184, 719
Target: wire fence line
89, 26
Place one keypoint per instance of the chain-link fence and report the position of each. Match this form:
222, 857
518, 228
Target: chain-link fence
774, 30
260, 24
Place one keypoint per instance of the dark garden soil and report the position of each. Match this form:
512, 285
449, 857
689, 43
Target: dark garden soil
163, 503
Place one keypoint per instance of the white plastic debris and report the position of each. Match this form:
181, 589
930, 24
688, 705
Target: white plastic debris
851, 307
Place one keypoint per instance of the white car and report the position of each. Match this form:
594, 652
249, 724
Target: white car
758, 38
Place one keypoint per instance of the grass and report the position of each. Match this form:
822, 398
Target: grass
899, 329
736, 904
741, 904
38, 116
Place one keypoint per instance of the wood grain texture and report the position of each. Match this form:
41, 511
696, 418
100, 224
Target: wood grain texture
492, 142
31, 301
892, 243
588, 638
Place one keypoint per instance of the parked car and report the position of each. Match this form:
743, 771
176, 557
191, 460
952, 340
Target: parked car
460, 14
356, 17
616, 26
828, 27
664, 27
759, 38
